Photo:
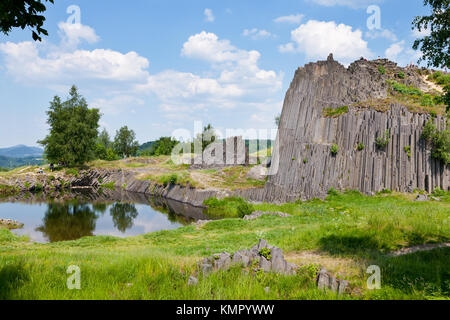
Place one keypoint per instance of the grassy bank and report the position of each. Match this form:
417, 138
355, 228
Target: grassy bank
346, 233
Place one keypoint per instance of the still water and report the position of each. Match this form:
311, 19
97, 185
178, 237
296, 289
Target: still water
56, 220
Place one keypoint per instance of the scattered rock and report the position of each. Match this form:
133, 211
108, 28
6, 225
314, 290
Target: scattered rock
258, 173
435, 198
422, 197
273, 262
201, 223
193, 281
326, 281
258, 214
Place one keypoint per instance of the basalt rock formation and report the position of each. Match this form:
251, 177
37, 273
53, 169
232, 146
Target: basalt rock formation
304, 166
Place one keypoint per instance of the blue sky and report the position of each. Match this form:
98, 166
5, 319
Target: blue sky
158, 66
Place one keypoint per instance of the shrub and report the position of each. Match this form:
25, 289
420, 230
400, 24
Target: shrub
265, 252
383, 141
334, 149
403, 89
382, 70
440, 142
401, 75
408, 151
427, 100
305, 161
360, 146
333, 192
72, 172
244, 209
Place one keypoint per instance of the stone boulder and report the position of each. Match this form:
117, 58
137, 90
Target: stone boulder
326, 281
257, 173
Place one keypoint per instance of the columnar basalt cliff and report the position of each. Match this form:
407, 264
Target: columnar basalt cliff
304, 165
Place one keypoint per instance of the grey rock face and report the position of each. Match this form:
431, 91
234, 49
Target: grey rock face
222, 261
264, 264
242, 257
305, 133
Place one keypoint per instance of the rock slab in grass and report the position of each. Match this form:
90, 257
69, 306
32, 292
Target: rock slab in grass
326, 280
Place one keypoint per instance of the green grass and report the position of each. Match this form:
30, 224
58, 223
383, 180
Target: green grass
335, 112
158, 265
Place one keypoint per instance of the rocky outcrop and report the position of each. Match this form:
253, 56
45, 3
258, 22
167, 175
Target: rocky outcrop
10, 224
326, 280
303, 166
260, 257
257, 214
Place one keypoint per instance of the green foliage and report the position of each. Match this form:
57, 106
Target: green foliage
169, 180
440, 141
334, 149
6, 190
72, 172
278, 120
440, 78
403, 89
228, 207
73, 131
427, 100
401, 75
265, 252
125, 144
335, 112
104, 147
244, 209
204, 139
333, 192
408, 151
384, 191
434, 47
23, 14
163, 146
110, 185
360, 146
381, 69
383, 141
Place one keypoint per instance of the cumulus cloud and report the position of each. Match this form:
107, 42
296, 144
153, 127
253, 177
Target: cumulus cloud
348, 3
257, 34
235, 79
209, 16
293, 18
317, 39
73, 33
29, 63
420, 34
394, 50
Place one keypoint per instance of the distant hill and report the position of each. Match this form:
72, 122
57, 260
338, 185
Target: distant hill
19, 156
21, 151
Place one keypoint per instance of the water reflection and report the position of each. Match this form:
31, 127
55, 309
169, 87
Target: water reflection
70, 216
68, 221
123, 215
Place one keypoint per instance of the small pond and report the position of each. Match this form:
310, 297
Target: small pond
76, 215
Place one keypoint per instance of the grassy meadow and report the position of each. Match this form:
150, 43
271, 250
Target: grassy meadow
345, 234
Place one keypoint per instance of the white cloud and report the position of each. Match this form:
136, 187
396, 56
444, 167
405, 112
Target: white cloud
394, 50
317, 39
383, 33
347, 3
28, 63
257, 34
209, 16
116, 104
235, 79
72, 34
294, 19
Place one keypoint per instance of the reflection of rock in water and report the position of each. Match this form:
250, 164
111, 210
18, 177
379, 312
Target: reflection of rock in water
123, 215
182, 211
69, 221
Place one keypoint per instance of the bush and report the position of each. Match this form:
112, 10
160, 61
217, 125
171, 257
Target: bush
408, 151
440, 142
334, 149
382, 70
383, 141
403, 89
244, 209
401, 75
427, 100
333, 192
360, 146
